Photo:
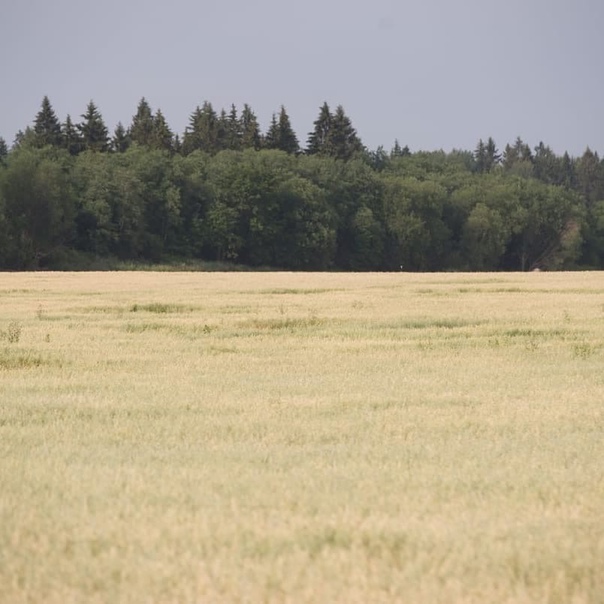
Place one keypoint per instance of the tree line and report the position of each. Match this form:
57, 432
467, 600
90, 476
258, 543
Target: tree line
225, 190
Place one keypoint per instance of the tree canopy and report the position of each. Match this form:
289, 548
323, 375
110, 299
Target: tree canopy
230, 192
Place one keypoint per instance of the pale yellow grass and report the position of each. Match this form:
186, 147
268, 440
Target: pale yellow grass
301, 438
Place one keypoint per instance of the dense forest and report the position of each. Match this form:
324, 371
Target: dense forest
70, 193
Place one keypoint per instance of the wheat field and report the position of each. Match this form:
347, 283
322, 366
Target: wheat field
280, 437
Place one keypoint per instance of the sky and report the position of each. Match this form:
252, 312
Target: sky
434, 74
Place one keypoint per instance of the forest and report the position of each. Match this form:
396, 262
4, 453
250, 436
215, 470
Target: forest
72, 193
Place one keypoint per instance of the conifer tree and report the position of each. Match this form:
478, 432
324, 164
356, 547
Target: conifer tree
47, 128
72, 140
250, 130
233, 130
94, 133
590, 179
510, 157
480, 156
486, 155
342, 140
121, 139
546, 165
318, 139
398, 151
201, 134
568, 175
287, 140
3, 150
222, 128
163, 138
177, 144
492, 155
272, 134
142, 129
25, 138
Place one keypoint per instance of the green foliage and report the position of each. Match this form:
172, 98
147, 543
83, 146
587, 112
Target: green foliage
487, 156
93, 132
281, 135
47, 128
3, 151
38, 205
318, 139
416, 234
72, 141
121, 139
142, 128
229, 194
250, 129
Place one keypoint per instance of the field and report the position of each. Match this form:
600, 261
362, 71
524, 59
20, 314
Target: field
276, 437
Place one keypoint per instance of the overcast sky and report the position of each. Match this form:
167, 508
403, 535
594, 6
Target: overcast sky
432, 73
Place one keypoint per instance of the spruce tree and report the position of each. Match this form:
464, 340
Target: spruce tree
222, 129
510, 157
318, 139
396, 150
3, 151
287, 140
121, 139
177, 144
589, 177
486, 156
546, 164
94, 133
201, 134
191, 141
46, 126
162, 138
233, 130
250, 130
568, 175
25, 138
272, 134
72, 141
342, 140
493, 157
142, 129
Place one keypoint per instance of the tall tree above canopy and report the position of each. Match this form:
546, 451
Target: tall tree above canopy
398, 151
3, 150
72, 141
342, 139
25, 139
281, 135
142, 129
518, 159
121, 139
233, 130
94, 133
547, 166
487, 156
567, 171
318, 139
222, 131
162, 138
272, 134
250, 129
46, 126
590, 177
201, 134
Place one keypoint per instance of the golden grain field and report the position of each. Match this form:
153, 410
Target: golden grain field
278, 437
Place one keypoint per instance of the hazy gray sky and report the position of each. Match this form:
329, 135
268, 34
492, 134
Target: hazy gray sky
432, 73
